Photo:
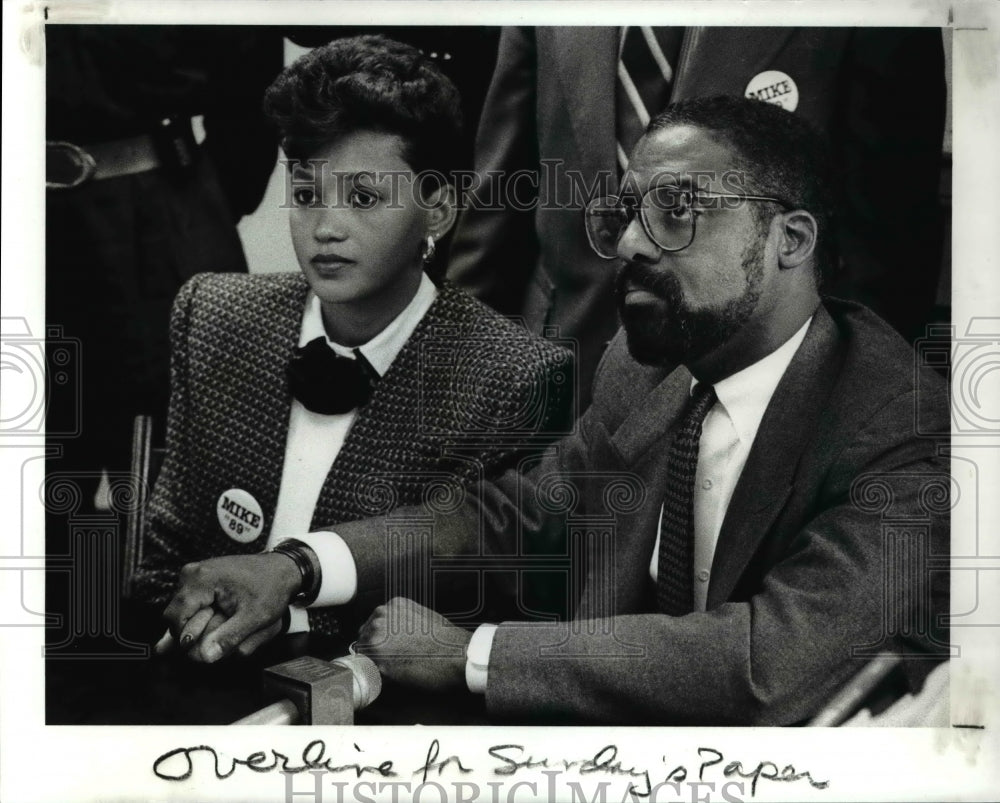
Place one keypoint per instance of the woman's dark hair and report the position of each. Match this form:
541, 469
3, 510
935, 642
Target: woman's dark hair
374, 83
780, 154
371, 83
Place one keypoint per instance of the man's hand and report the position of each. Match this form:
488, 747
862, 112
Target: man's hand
231, 602
415, 646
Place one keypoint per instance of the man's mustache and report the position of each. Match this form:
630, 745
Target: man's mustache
643, 277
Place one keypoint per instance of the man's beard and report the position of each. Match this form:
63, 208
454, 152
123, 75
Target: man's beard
667, 333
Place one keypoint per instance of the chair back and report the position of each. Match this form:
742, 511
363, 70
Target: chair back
145, 466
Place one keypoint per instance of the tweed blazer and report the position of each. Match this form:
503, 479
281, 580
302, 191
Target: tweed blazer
468, 391
824, 556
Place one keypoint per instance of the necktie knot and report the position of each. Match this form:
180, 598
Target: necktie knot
702, 398
326, 383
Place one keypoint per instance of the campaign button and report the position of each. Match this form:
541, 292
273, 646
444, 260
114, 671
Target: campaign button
240, 515
774, 86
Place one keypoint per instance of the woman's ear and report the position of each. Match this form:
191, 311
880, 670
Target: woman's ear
442, 210
798, 237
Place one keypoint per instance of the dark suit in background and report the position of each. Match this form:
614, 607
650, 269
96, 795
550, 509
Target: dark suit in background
118, 249
879, 93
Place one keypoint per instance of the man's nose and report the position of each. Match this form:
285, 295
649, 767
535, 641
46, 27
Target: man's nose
634, 244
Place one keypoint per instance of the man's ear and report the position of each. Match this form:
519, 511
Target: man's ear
797, 239
442, 210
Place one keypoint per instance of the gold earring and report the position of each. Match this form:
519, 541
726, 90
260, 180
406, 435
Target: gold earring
430, 248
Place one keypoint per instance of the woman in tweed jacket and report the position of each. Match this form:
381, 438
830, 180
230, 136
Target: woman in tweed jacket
434, 391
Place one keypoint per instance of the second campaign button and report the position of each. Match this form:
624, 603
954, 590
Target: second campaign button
775, 87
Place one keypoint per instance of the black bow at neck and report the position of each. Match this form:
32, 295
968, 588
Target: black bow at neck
326, 383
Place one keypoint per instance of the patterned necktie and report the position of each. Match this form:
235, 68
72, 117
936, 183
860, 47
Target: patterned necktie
644, 79
675, 563
327, 383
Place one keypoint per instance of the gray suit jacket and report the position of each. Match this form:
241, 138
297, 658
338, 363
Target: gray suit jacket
807, 579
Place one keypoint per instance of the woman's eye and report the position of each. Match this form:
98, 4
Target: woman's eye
362, 199
303, 196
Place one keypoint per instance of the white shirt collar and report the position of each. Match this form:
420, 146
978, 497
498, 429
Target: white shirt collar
382, 349
746, 394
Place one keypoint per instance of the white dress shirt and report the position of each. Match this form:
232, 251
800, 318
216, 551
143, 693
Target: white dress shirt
315, 440
727, 434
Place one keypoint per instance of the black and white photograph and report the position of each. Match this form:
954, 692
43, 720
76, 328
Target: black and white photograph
500, 401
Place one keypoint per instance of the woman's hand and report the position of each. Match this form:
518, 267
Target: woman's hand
231, 603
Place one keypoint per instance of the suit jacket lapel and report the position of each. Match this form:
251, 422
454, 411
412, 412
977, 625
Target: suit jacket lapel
354, 460
652, 422
640, 447
277, 333
767, 478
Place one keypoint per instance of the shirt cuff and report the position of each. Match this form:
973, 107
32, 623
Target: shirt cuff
298, 621
477, 658
340, 574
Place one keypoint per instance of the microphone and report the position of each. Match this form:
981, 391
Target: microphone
318, 692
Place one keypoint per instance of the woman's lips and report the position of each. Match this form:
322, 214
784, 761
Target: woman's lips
330, 263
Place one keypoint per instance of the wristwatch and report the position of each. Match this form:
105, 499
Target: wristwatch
308, 565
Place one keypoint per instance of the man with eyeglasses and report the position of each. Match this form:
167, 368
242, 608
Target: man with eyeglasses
575, 97
728, 501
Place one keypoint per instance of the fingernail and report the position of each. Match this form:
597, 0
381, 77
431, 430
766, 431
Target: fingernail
212, 652
186, 639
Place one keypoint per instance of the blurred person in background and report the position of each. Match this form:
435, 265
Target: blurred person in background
878, 93
156, 147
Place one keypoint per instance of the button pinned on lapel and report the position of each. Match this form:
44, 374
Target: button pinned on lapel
774, 86
240, 515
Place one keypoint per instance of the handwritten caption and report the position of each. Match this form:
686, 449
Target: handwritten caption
501, 760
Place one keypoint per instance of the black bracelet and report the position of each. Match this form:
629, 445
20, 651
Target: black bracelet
302, 555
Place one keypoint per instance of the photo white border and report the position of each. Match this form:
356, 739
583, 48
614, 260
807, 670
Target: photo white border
50, 763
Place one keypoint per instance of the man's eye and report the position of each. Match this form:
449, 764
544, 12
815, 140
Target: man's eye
303, 196
680, 207
362, 199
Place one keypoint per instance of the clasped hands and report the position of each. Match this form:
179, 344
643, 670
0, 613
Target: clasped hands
236, 603
233, 603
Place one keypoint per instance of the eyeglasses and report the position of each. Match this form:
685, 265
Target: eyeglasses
668, 214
